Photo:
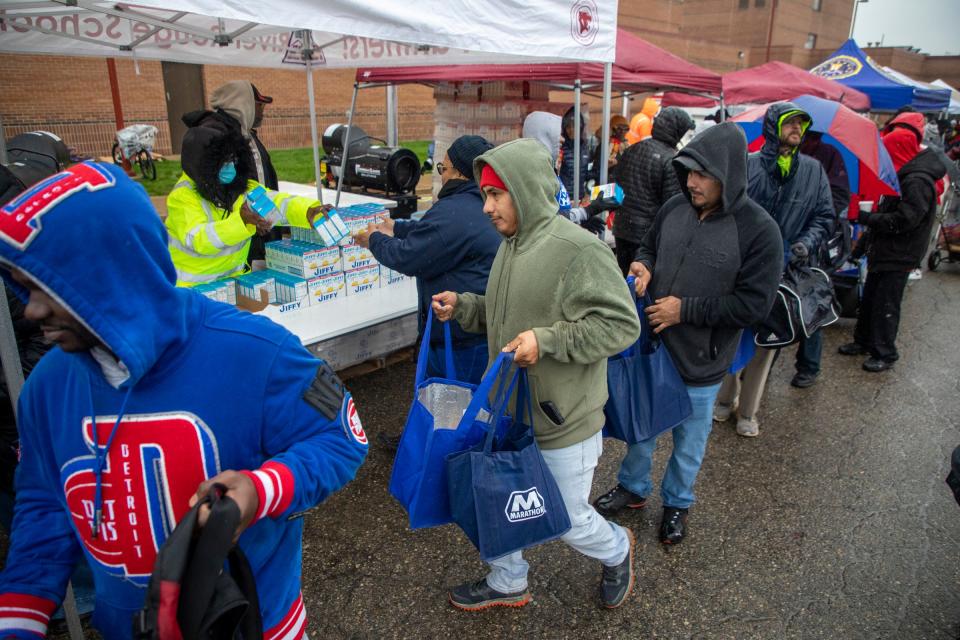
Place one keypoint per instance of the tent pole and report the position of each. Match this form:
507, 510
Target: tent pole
723, 109
346, 144
605, 125
3, 144
625, 109
393, 135
313, 132
577, 126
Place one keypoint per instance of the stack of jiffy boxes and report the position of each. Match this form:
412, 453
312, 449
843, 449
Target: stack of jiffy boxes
301, 271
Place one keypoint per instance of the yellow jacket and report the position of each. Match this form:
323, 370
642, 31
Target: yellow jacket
208, 243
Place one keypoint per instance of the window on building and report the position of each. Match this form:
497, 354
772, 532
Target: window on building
817, 5
744, 4
811, 42
759, 3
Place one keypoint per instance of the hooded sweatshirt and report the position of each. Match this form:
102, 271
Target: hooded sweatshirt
725, 268
182, 388
799, 197
564, 284
647, 176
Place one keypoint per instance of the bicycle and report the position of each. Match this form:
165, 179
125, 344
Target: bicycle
135, 143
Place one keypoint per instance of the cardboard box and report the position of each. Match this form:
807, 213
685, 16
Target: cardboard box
356, 257
290, 288
251, 285
360, 281
390, 277
302, 259
326, 288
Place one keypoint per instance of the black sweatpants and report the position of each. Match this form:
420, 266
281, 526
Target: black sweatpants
879, 317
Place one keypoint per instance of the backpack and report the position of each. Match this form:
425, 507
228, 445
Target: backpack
190, 595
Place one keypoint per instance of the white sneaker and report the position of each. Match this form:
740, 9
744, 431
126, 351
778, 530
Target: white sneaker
916, 274
722, 412
748, 427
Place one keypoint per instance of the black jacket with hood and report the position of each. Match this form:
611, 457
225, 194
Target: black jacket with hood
647, 177
799, 201
899, 232
724, 268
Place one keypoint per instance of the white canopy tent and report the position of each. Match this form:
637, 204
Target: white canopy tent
285, 34
954, 95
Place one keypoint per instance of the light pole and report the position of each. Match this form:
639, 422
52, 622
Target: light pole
853, 20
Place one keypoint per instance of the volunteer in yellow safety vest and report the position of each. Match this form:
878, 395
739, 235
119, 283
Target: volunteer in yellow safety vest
209, 221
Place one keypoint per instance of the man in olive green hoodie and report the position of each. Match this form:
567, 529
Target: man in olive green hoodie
556, 298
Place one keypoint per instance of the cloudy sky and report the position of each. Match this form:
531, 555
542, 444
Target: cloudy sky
931, 25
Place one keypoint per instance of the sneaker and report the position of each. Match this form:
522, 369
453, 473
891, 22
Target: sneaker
673, 526
916, 274
803, 379
876, 365
852, 349
616, 499
616, 583
722, 412
474, 596
748, 427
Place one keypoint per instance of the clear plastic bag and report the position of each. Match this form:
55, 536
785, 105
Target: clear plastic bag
445, 402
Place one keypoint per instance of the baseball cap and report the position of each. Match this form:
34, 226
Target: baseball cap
259, 97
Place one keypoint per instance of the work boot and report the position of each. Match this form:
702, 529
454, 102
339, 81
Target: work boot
616, 499
876, 365
474, 596
803, 379
673, 527
852, 349
616, 583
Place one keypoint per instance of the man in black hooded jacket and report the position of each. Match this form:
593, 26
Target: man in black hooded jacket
793, 188
648, 180
711, 262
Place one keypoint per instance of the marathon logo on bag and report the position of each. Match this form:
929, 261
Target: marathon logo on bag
525, 505
20, 218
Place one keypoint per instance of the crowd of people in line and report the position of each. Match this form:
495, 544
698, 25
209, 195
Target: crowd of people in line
123, 428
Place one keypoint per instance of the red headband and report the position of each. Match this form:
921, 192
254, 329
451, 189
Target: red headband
489, 178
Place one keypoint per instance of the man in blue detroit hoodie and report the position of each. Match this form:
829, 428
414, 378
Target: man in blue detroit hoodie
151, 393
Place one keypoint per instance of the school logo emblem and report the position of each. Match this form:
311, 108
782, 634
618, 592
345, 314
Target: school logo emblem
351, 421
20, 219
525, 505
838, 68
584, 21
153, 467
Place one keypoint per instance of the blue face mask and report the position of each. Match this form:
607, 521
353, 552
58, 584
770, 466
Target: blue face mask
228, 173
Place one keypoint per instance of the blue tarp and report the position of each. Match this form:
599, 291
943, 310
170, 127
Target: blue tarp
849, 65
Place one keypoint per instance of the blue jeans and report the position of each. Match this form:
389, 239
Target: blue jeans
470, 363
808, 353
689, 446
590, 534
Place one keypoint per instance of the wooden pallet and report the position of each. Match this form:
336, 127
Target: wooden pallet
375, 364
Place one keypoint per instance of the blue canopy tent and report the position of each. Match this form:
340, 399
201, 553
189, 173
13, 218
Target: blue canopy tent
849, 65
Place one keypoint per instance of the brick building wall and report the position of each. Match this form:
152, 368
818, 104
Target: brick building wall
77, 104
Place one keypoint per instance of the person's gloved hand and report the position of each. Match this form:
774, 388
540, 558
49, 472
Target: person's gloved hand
594, 224
799, 254
600, 205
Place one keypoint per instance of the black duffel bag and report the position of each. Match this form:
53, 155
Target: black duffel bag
190, 595
804, 303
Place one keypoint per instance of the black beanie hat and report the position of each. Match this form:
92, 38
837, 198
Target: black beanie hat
465, 150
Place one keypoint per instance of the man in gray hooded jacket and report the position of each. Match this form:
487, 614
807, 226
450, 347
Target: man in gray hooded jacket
711, 263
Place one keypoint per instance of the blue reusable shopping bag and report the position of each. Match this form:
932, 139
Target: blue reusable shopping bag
418, 480
502, 494
647, 395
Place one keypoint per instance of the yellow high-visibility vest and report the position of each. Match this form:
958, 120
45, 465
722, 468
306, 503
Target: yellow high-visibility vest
208, 243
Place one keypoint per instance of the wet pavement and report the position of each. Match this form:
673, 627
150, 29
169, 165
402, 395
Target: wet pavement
834, 523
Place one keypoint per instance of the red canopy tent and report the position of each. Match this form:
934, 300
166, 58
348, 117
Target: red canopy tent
639, 66
772, 82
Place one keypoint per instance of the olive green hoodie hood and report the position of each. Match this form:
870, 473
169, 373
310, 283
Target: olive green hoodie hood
526, 169
237, 100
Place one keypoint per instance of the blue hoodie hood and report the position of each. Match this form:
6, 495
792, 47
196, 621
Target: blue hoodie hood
92, 239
